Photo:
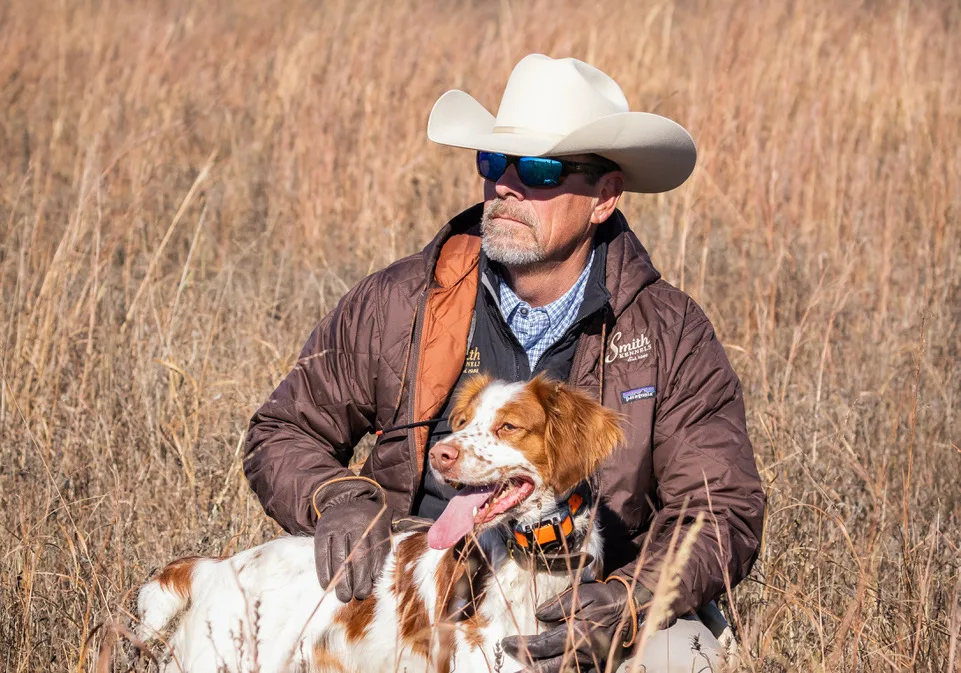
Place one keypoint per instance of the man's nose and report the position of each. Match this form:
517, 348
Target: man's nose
510, 185
442, 456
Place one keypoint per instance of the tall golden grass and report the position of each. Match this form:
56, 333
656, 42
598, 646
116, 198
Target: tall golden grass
185, 188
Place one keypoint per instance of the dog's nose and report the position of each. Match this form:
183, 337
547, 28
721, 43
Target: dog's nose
442, 456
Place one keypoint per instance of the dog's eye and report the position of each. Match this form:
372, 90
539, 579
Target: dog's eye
457, 423
508, 427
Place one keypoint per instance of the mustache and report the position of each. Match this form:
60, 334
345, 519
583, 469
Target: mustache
508, 210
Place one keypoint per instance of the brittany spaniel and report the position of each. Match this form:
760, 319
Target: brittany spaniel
514, 536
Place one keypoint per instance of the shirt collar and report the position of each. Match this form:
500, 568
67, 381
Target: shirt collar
509, 302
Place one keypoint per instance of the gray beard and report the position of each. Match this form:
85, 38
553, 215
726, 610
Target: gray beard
500, 247
508, 256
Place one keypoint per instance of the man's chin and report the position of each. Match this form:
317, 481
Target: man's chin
514, 247
510, 253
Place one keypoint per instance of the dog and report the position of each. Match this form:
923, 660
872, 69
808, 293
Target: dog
516, 534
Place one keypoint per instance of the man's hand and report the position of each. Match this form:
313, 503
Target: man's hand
353, 538
590, 623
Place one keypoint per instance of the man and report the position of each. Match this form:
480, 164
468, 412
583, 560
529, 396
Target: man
544, 276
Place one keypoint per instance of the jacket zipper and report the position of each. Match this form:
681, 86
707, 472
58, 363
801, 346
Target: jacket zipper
516, 348
581, 348
490, 306
412, 398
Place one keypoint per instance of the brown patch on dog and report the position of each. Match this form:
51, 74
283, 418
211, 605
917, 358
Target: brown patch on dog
474, 630
577, 433
445, 642
409, 551
446, 577
414, 621
461, 578
466, 403
356, 617
177, 576
326, 661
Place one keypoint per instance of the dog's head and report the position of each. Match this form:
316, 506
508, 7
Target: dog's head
516, 449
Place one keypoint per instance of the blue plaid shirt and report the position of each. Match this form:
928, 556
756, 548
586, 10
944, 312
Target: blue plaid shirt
538, 328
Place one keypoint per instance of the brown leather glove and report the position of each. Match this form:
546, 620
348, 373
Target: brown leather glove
592, 623
353, 526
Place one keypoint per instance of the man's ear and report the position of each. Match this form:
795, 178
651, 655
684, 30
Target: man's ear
609, 187
580, 433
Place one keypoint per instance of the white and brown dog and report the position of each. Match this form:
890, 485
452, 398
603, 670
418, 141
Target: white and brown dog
520, 453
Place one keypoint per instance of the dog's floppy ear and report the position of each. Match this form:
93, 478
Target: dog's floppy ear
580, 433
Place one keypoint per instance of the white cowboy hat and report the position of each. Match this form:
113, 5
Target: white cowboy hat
553, 107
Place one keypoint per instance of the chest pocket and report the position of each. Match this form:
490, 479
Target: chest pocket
631, 387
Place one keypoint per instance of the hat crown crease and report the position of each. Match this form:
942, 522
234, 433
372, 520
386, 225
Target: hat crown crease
552, 98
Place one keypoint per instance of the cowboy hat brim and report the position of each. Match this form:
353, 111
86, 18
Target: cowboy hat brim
654, 153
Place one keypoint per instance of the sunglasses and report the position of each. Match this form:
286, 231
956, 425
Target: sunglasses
536, 171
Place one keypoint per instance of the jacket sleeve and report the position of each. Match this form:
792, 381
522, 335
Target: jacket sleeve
304, 434
703, 462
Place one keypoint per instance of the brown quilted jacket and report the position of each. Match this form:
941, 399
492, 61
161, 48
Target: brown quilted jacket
392, 349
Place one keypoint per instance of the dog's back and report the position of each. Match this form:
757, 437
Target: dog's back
263, 610
252, 611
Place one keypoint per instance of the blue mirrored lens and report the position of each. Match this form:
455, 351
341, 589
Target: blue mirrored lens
533, 171
491, 165
539, 172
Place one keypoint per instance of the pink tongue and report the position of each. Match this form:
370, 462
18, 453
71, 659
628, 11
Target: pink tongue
458, 519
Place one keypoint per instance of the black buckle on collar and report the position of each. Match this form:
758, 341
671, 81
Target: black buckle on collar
553, 532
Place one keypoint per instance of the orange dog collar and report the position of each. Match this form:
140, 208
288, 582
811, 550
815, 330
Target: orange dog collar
553, 530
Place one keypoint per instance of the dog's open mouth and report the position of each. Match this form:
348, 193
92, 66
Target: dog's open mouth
475, 506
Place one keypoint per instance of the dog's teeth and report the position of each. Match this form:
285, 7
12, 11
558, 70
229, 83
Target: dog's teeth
475, 511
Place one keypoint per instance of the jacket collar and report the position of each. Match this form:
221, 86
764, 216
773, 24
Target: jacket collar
629, 266
454, 251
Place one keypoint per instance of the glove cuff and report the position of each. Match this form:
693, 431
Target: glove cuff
342, 490
638, 598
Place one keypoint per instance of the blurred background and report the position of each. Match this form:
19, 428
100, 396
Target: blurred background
186, 188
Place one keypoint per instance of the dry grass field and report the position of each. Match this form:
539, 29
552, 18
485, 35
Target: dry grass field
185, 188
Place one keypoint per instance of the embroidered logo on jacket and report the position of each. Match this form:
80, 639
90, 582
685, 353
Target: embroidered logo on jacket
632, 351
644, 393
472, 362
